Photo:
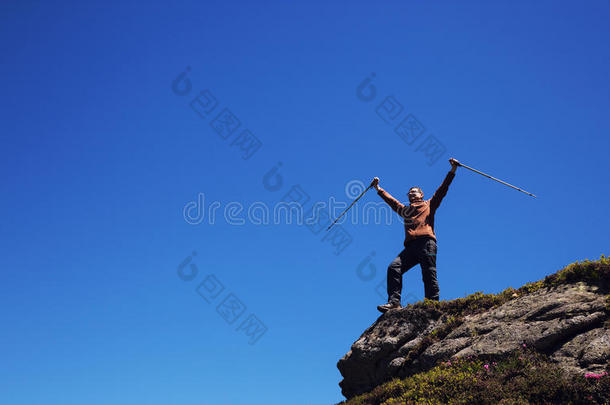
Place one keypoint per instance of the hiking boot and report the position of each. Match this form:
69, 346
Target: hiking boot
390, 305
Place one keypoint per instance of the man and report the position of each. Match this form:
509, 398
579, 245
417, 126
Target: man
420, 240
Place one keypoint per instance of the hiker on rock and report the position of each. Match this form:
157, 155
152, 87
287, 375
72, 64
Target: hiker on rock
420, 241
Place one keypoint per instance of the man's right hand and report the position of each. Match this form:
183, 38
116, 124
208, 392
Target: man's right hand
375, 183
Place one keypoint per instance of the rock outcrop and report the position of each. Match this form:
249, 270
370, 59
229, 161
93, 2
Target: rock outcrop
567, 320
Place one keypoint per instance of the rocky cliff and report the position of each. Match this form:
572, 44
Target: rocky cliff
563, 317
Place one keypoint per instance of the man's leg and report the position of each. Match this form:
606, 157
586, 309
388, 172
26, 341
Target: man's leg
427, 260
403, 262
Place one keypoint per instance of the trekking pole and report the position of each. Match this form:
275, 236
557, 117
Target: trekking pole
354, 202
493, 178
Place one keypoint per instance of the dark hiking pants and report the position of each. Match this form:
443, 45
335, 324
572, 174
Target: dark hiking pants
422, 251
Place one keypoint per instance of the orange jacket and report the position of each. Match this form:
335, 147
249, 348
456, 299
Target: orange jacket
419, 216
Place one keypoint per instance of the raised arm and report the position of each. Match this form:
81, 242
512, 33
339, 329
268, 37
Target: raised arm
387, 197
441, 192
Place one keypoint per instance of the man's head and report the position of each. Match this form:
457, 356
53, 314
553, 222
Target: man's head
415, 194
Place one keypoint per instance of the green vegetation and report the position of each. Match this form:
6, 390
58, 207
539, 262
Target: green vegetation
525, 377
595, 273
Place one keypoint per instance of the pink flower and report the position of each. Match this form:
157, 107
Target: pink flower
486, 366
524, 345
494, 364
596, 376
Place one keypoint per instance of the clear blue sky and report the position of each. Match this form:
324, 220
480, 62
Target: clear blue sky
100, 157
